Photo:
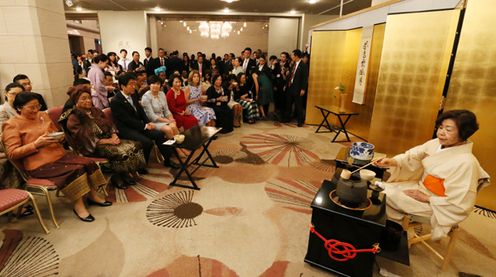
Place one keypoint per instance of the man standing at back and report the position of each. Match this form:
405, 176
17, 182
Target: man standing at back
148, 56
124, 61
25, 82
296, 86
156, 63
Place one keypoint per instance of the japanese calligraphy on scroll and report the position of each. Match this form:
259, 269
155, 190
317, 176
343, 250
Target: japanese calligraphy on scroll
362, 66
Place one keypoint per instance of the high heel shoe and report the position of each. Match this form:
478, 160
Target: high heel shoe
89, 218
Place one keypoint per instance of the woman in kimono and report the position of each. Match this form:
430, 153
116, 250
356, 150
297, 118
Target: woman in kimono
438, 179
93, 135
27, 139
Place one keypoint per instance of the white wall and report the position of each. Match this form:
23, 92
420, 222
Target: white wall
283, 35
310, 20
175, 37
88, 29
126, 30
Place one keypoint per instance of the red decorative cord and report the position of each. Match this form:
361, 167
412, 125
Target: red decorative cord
342, 251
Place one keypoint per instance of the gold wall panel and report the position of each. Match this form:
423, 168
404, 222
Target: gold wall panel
325, 71
415, 57
473, 85
360, 125
334, 60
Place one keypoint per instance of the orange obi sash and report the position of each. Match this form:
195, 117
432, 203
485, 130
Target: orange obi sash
434, 185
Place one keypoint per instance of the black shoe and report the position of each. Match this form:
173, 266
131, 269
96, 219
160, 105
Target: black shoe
89, 218
128, 180
117, 181
104, 204
168, 163
143, 171
300, 124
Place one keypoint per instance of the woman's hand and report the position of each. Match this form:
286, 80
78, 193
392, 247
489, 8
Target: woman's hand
386, 162
115, 139
417, 195
44, 140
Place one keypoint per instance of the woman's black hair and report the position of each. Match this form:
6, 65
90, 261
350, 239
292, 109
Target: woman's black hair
465, 121
153, 79
22, 99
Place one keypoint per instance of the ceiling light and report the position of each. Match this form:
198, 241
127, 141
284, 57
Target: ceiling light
226, 10
229, 1
241, 29
312, 1
157, 9
79, 9
292, 12
184, 24
239, 32
244, 24
69, 3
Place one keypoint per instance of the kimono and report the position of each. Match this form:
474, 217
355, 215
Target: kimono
450, 176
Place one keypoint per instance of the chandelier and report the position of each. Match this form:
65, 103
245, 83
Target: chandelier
215, 29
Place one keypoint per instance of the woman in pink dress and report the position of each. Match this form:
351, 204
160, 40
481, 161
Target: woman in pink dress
178, 105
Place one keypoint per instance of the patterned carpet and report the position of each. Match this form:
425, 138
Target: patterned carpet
250, 218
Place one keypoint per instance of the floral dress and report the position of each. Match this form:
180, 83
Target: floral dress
203, 114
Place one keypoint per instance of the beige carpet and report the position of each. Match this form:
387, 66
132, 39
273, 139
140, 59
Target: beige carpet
250, 218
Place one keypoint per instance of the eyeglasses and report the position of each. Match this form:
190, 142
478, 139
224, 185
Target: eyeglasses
33, 107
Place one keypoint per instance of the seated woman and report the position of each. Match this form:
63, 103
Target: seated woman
176, 100
245, 98
27, 138
438, 179
217, 99
231, 85
155, 105
93, 135
204, 115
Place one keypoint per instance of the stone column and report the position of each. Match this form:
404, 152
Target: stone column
34, 42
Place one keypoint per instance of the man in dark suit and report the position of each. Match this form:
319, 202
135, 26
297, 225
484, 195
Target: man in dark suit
159, 61
296, 86
200, 65
248, 63
174, 63
132, 122
148, 56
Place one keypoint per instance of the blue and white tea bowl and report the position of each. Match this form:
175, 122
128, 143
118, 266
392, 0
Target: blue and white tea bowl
362, 151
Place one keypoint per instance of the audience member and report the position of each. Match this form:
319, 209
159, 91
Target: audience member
217, 100
132, 122
91, 134
135, 64
124, 61
43, 155
245, 98
297, 83
155, 105
25, 82
195, 99
96, 76
178, 105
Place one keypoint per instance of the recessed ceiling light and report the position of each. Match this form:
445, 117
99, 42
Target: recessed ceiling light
79, 9
292, 12
226, 10
229, 1
69, 3
157, 9
312, 1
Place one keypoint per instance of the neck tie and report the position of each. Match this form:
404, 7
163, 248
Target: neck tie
130, 100
292, 74
161, 61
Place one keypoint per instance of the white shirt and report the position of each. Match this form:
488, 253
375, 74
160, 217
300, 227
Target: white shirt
124, 62
294, 70
129, 99
245, 64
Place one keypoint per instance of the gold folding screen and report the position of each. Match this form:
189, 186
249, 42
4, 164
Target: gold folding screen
473, 85
326, 68
334, 61
414, 62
